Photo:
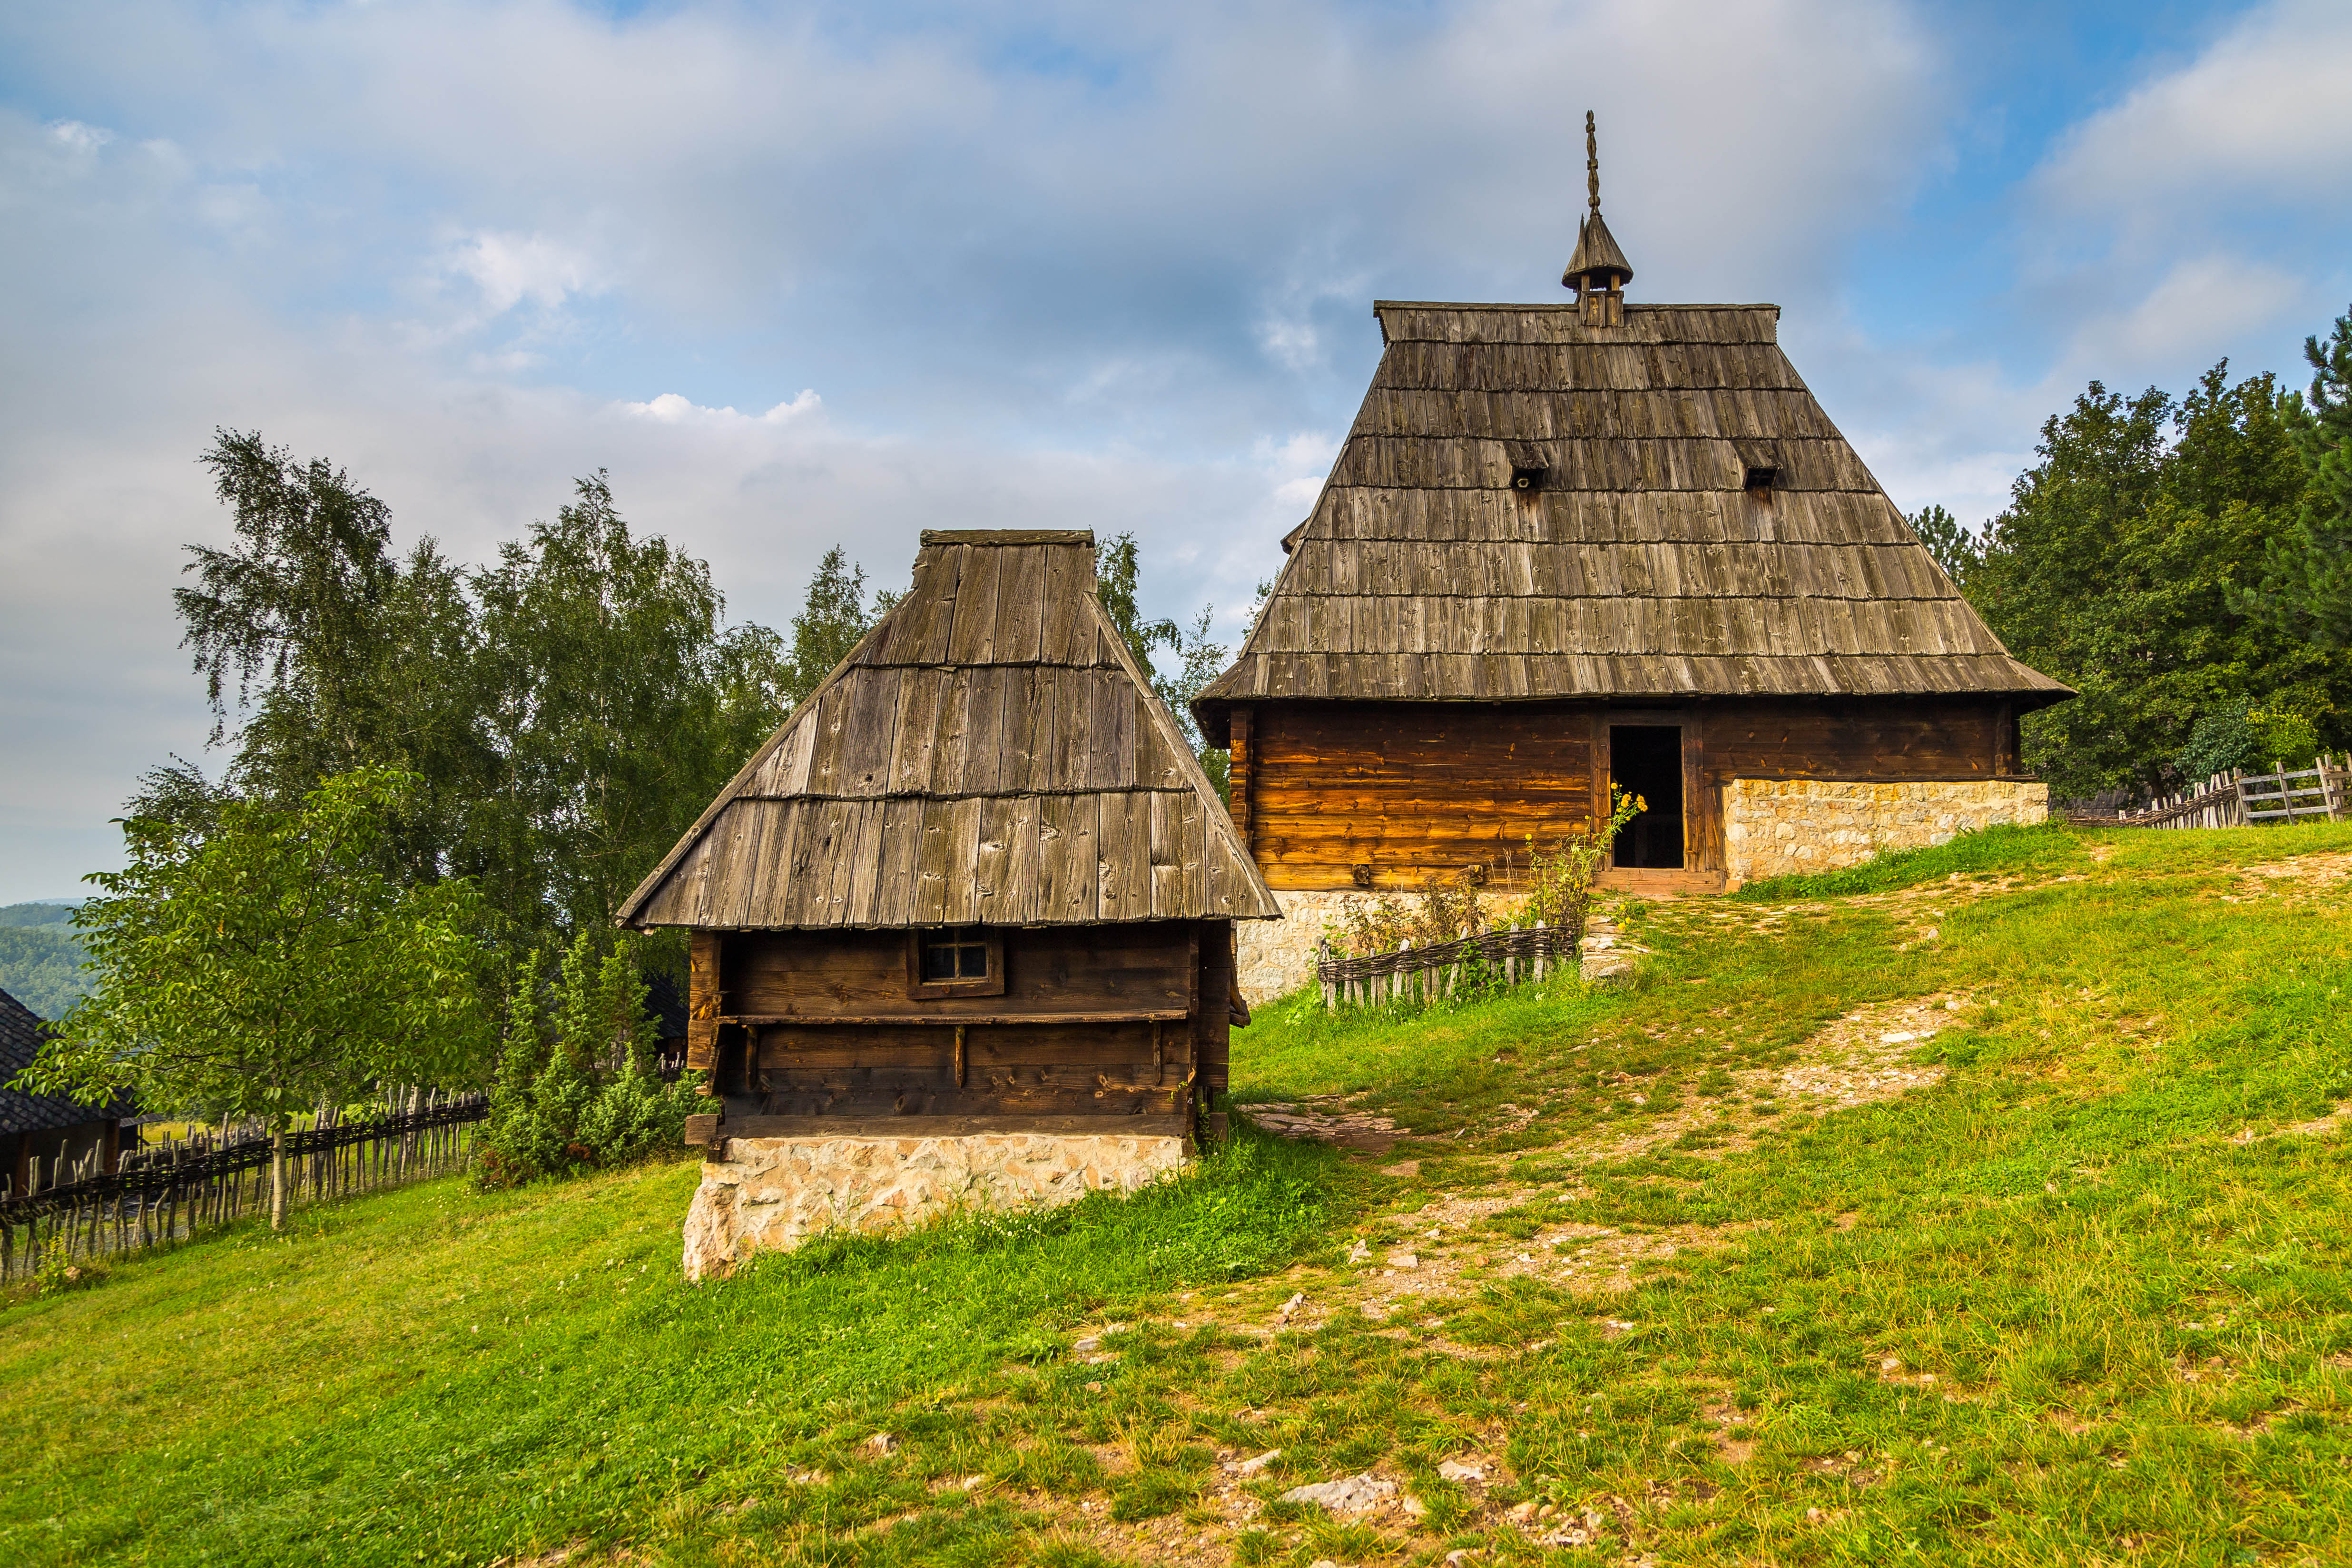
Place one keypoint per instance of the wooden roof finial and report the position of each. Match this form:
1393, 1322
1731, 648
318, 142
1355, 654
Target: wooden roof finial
1591, 161
1598, 263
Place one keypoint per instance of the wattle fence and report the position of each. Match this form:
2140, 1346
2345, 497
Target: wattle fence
2235, 799
167, 1192
1422, 974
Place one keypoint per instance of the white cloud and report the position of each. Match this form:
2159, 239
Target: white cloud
449, 243
673, 408
73, 136
2194, 312
511, 267
2263, 113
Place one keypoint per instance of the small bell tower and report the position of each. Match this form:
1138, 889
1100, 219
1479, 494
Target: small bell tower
1599, 270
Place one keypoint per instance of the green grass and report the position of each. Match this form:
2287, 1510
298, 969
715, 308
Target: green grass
445, 1376
2116, 1302
1991, 850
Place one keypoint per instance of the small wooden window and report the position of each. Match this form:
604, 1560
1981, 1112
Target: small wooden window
955, 961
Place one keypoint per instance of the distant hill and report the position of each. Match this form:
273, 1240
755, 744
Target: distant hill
48, 912
40, 957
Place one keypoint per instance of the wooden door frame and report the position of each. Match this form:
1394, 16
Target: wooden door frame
1701, 868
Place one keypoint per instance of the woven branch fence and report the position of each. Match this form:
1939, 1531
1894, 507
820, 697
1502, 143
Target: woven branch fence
1422, 974
168, 1191
2235, 799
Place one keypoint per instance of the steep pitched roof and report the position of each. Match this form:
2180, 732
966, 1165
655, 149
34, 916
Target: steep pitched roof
1641, 566
989, 754
22, 1030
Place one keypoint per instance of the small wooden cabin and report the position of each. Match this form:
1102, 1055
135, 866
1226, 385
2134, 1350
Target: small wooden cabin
47, 1132
976, 883
1591, 541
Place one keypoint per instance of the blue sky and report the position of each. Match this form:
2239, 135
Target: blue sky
806, 274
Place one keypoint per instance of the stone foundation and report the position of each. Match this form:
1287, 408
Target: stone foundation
1274, 958
770, 1194
1773, 827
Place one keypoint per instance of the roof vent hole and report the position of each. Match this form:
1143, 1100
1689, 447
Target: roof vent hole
1760, 480
1525, 477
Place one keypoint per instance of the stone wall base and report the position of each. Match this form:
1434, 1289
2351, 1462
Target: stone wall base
1774, 826
770, 1194
1274, 958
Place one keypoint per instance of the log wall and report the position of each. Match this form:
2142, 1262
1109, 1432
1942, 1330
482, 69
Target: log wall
1092, 1021
1406, 789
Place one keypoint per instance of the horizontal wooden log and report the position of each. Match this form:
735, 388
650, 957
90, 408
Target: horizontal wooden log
954, 1126
976, 1100
944, 1021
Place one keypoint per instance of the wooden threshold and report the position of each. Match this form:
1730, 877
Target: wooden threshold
951, 1020
1651, 882
946, 1126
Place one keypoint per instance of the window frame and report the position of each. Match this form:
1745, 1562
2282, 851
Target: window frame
990, 984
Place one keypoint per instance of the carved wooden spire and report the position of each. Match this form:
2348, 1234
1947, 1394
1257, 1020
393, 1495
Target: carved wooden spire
1599, 270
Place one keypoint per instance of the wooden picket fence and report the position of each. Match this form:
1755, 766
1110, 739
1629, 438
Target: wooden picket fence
1419, 975
2238, 799
169, 1191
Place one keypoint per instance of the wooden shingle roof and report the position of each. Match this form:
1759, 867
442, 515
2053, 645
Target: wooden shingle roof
989, 754
22, 1030
1640, 566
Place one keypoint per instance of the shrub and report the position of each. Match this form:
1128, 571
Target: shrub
1444, 909
2241, 735
576, 1083
1559, 879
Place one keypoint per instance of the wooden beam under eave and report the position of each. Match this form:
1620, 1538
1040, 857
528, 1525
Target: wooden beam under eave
1237, 776
703, 1009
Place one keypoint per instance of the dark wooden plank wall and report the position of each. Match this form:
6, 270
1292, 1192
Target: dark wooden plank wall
1055, 969
1412, 788
915, 1065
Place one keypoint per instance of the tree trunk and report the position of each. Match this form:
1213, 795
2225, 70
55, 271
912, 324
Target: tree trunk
278, 1178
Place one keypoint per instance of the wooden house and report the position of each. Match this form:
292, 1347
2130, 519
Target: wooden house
975, 887
1597, 541
57, 1137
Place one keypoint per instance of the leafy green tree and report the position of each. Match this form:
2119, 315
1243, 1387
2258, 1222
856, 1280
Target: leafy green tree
327, 653
2306, 586
607, 717
1198, 662
269, 966
1117, 568
2114, 568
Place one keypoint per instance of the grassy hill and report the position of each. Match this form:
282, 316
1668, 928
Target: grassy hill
41, 958
1992, 1208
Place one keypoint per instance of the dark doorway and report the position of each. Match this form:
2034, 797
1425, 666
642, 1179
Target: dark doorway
1647, 760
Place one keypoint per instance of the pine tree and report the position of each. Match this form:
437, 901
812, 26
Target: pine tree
1956, 550
829, 624
2307, 588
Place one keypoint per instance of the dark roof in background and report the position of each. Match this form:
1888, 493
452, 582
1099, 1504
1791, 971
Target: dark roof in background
989, 754
1641, 567
21, 1034
665, 1000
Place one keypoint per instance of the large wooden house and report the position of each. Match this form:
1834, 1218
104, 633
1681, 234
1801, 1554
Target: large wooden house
1598, 540
976, 888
